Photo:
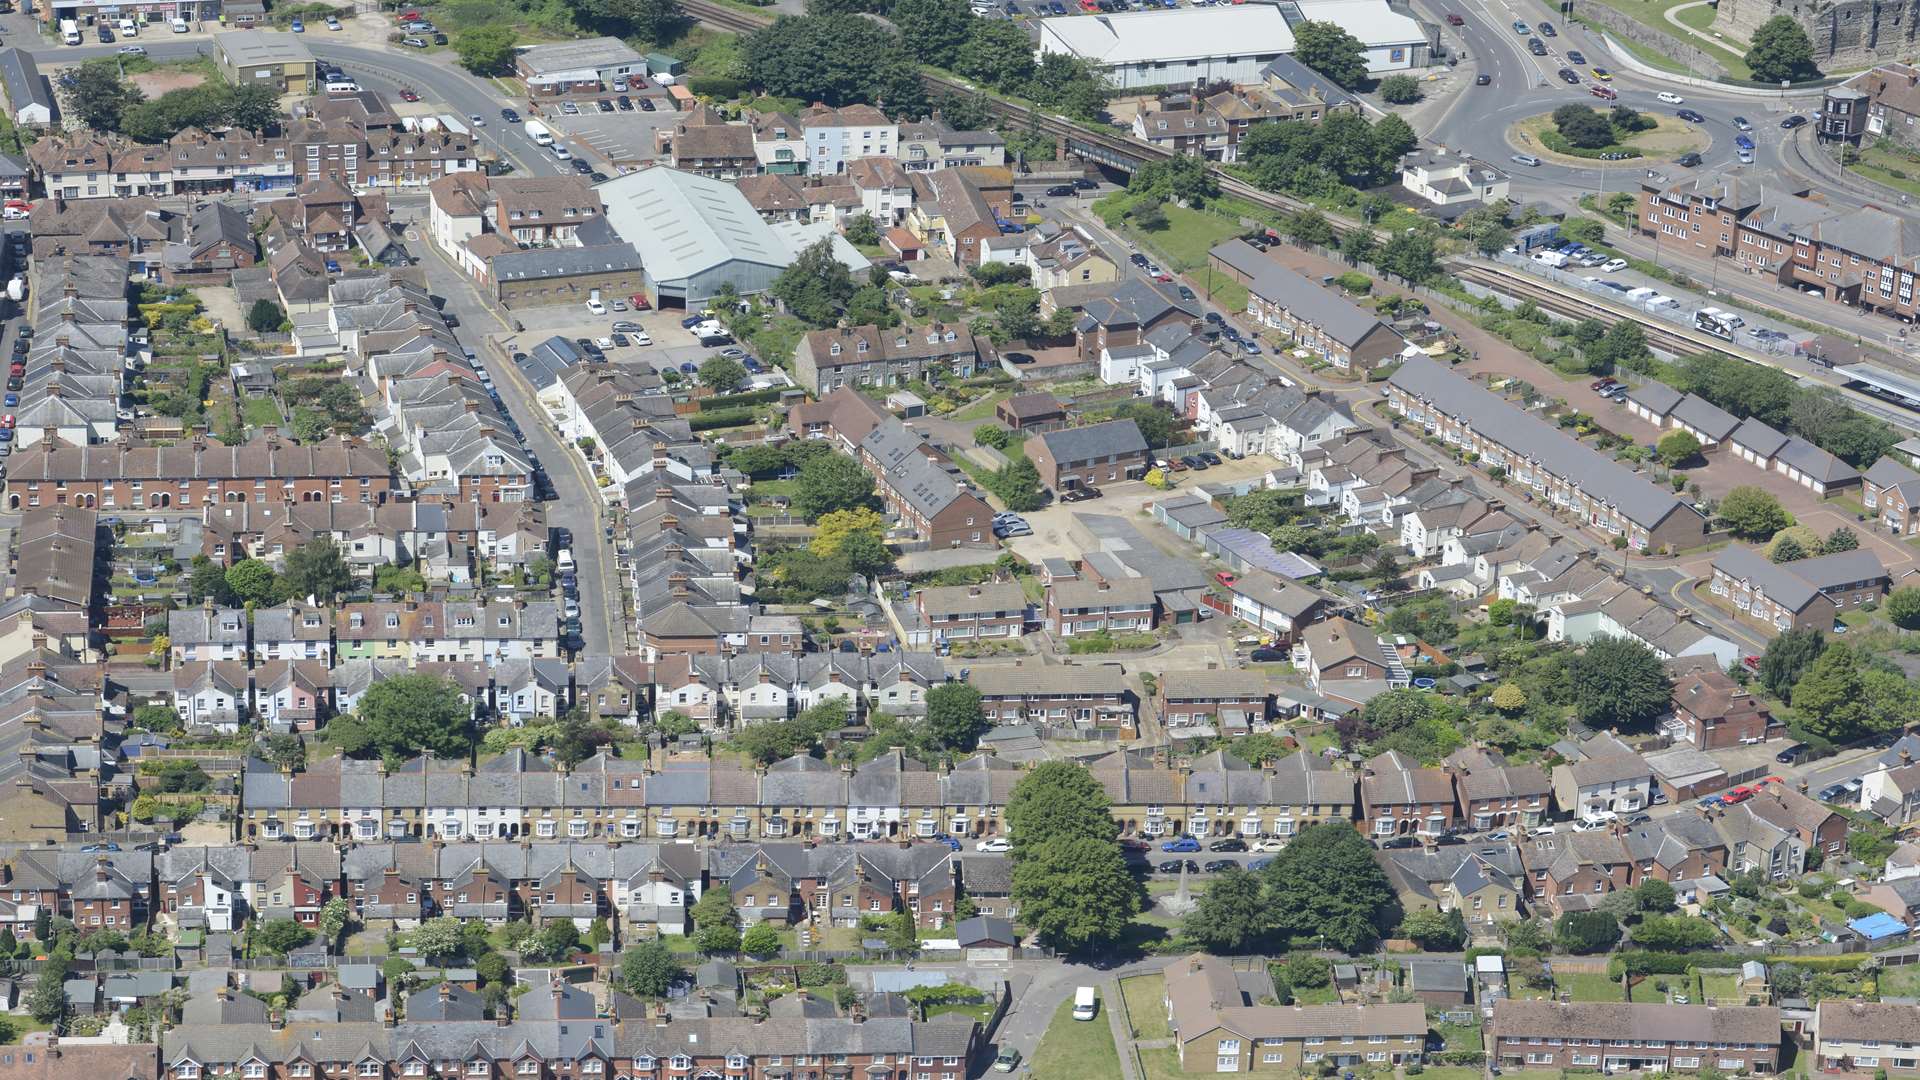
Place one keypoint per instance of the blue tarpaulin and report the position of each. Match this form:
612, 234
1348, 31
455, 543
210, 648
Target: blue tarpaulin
1876, 926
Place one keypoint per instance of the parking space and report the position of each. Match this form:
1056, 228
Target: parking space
628, 139
671, 346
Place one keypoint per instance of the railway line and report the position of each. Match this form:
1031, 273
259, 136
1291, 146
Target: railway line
1674, 340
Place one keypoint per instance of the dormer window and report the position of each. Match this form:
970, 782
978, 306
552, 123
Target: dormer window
860, 346
833, 349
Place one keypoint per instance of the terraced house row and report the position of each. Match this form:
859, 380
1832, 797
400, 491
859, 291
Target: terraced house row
520, 796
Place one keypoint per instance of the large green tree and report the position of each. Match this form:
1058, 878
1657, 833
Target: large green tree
649, 968
1586, 931
1074, 892
716, 923
1232, 915
1753, 513
1058, 799
97, 96
955, 720
1781, 52
817, 287
1331, 51
253, 582
1787, 657
400, 716
486, 50
838, 59
831, 482
317, 569
932, 30
1674, 933
1618, 682
1830, 698
1326, 882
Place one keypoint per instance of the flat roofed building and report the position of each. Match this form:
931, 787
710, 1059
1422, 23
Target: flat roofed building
1174, 48
265, 58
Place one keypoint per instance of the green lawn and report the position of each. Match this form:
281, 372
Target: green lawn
1225, 293
1653, 15
1451, 1072
1891, 168
1648, 992
980, 1011
1146, 1005
1157, 1064
1316, 995
1700, 18
1189, 235
1720, 988
981, 409
1589, 987
1459, 1036
1075, 1048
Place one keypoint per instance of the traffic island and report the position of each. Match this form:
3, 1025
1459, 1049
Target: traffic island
1667, 139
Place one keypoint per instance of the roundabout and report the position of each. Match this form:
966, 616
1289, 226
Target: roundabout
1668, 138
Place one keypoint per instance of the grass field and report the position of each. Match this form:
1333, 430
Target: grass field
1158, 1065
981, 409
1146, 1005
1451, 1072
1891, 168
1586, 987
1189, 235
1076, 1048
1653, 15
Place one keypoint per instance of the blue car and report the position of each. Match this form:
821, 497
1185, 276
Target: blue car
12, 400
692, 321
1057, 7
1185, 843
1744, 142
947, 840
298, 27
688, 368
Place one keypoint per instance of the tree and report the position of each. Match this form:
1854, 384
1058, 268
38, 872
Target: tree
1326, 882
98, 97
722, 375
1840, 539
281, 936
831, 482
1156, 423
1788, 656
1331, 51
1786, 549
400, 716
1677, 447
1674, 933
1781, 52
658, 21
649, 968
1830, 698
317, 569
863, 230
817, 286
1058, 799
932, 30
252, 582
554, 941
208, 581
1309, 227
760, 940
1408, 255
1508, 698
1753, 513
1624, 344
47, 1001
955, 720
439, 939
1435, 931
1586, 931
1618, 682
281, 750
1074, 892
716, 924
838, 528
995, 52
334, 917
265, 317
1486, 227
836, 58
1150, 215
1399, 90
401, 580
486, 50
1583, 127
1356, 245
1903, 607
1231, 916
1654, 895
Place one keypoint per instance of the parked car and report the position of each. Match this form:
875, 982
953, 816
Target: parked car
994, 843
1268, 656
1231, 843
1399, 842
1219, 866
1182, 843
1174, 866
1007, 1061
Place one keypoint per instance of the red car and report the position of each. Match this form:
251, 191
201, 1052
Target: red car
407, 94
6, 421
639, 302
1224, 578
1752, 662
1737, 795
1163, 276
409, 16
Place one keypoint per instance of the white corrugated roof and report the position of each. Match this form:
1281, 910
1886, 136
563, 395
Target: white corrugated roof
1186, 34
682, 224
1372, 21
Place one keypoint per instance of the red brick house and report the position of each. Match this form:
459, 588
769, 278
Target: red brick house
1496, 795
1400, 798
1712, 712
1616, 1036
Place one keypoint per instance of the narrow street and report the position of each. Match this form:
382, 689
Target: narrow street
576, 506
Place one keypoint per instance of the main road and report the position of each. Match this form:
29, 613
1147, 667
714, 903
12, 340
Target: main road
387, 70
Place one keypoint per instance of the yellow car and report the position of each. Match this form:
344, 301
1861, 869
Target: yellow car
1603, 73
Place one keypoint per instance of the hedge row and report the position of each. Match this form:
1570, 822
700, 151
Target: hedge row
706, 421
735, 401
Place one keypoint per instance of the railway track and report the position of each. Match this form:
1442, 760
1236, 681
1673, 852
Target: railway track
1661, 335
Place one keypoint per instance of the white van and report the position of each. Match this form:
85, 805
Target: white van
127, 28
1084, 1003
564, 560
1725, 318
343, 86
180, 26
70, 31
